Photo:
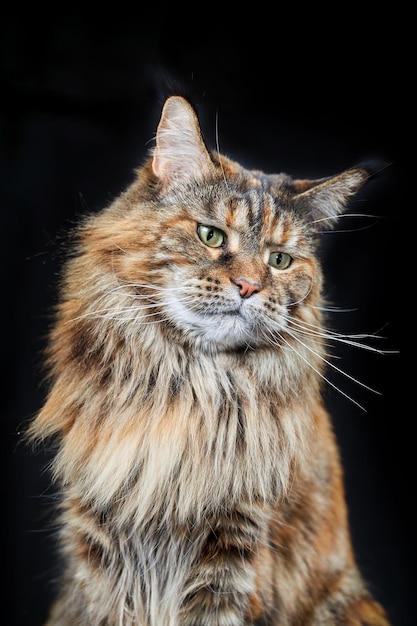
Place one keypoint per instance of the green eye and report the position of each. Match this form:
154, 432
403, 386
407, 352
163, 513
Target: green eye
279, 260
211, 236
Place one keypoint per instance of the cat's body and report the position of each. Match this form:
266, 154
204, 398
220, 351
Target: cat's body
201, 479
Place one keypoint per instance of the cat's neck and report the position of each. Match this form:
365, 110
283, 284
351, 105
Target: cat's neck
204, 420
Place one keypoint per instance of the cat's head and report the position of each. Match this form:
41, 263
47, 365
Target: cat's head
220, 257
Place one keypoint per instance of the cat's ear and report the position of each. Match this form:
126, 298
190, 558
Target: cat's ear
180, 153
325, 199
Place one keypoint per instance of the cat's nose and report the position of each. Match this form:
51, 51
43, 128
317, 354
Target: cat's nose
246, 286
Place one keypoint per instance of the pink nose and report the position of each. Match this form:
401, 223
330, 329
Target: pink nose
246, 287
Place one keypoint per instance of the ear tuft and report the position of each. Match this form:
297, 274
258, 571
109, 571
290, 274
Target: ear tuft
325, 199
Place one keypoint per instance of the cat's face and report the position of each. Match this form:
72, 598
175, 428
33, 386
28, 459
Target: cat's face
236, 268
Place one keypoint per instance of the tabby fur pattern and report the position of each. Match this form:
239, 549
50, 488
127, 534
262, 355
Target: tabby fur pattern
200, 476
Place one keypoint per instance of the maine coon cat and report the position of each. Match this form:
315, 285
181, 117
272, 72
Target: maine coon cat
201, 480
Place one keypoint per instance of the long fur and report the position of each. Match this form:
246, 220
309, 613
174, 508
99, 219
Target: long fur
201, 479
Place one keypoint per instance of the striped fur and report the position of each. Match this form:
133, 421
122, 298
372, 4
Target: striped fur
200, 475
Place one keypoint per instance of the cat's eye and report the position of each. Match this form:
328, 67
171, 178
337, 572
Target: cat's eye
211, 236
279, 260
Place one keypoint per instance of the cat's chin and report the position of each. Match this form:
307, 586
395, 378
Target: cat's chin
217, 332
211, 347
222, 333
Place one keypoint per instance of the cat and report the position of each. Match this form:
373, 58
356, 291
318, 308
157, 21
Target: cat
200, 475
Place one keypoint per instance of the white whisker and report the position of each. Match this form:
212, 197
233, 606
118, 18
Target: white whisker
218, 149
322, 376
330, 364
311, 330
376, 218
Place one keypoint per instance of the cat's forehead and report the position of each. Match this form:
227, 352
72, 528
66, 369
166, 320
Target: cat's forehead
255, 202
277, 184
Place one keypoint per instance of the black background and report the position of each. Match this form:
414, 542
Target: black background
306, 93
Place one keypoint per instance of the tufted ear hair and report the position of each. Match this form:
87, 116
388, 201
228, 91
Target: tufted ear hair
325, 199
180, 153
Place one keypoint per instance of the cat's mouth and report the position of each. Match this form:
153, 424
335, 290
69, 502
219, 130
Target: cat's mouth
232, 312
